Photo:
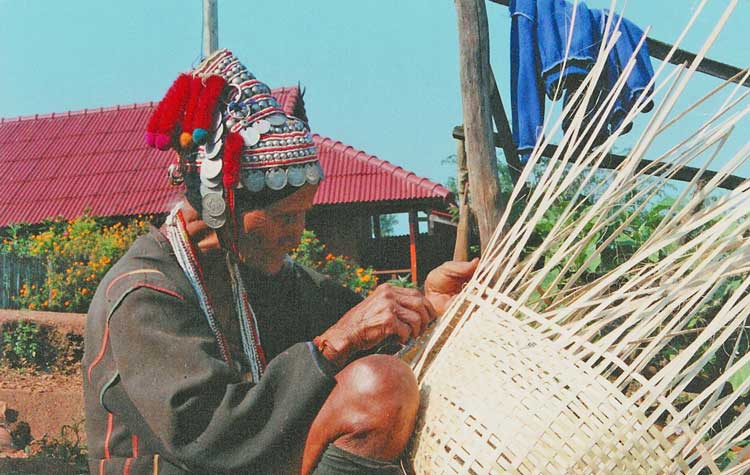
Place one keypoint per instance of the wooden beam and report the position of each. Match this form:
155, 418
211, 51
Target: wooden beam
210, 27
659, 50
413, 230
612, 161
463, 230
474, 61
503, 129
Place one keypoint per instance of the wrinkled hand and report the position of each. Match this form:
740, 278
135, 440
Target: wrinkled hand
389, 310
446, 281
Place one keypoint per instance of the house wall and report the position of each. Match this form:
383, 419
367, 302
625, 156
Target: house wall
341, 230
348, 232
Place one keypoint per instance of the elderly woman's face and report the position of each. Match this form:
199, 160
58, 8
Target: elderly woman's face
269, 234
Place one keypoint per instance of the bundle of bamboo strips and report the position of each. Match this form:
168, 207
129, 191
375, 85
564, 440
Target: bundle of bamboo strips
535, 370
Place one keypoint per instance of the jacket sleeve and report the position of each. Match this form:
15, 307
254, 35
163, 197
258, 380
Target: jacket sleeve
205, 416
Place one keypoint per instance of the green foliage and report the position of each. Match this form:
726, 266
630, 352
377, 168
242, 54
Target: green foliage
22, 346
26, 345
67, 447
504, 180
312, 253
402, 281
77, 253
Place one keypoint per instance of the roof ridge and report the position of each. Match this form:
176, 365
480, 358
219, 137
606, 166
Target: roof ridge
396, 170
95, 110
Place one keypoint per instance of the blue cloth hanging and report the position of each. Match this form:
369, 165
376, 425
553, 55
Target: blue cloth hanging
553, 28
527, 94
637, 81
538, 43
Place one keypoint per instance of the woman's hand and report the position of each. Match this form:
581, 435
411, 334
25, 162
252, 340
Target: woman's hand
445, 282
389, 310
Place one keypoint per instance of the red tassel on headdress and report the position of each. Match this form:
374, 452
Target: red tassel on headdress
164, 118
205, 109
196, 89
174, 106
233, 145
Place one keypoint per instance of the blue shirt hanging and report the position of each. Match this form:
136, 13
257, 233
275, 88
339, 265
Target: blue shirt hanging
541, 36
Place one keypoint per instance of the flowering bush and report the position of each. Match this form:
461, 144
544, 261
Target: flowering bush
312, 253
78, 253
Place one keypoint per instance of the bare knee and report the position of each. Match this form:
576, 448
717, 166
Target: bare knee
373, 408
382, 377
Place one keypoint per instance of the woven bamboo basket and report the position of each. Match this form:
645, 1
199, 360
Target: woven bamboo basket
502, 398
538, 369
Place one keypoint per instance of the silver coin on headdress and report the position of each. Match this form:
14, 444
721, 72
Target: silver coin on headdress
313, 173
254, 180
210, 168
296, 176
277, 119
250, 136
262, 126
214, 222
212, 150
214, 204
218, 133
209, 189
211, 182
276, 178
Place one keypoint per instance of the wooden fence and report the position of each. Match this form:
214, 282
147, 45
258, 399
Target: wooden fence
14, 272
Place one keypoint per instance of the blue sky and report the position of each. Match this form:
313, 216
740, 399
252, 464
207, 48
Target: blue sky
380, 75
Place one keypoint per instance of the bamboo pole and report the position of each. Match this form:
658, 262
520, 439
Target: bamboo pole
473, 40
463, 230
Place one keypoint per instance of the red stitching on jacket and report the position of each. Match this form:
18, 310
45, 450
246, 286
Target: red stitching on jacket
132, 272
99, 357
105, 337
161, 289
110, 423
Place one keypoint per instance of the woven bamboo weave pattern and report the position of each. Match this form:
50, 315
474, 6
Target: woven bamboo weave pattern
546, 413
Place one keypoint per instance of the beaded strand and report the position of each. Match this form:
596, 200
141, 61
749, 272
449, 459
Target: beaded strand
188, 261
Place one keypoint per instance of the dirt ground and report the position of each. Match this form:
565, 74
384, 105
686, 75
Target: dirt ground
46, 401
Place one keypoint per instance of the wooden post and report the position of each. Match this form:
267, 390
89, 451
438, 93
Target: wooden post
463, 230
413, 230
210, 27
473, 41
376, 226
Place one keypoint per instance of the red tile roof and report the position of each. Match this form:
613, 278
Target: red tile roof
63, 164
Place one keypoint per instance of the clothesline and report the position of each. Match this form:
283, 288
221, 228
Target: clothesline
659, 50
613, 160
